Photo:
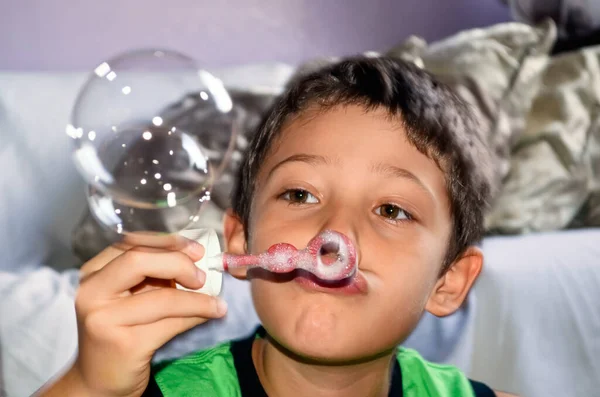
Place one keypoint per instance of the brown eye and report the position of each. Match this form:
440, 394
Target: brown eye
393, 212
299, 196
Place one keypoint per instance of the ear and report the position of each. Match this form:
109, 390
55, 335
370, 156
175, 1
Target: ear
235, 239
452, 288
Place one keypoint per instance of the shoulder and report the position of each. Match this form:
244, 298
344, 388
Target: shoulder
212, 371
419, 374
414, 366
206, 357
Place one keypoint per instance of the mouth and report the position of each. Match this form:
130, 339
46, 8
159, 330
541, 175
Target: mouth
355, 285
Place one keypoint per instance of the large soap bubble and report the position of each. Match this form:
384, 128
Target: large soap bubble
146, 169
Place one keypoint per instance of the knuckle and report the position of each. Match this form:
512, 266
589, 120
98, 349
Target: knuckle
94, 322
98, 327
82, 303
133, 258
80, 307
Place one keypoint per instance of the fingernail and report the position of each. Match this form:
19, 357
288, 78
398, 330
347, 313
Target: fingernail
200, 275
221, 306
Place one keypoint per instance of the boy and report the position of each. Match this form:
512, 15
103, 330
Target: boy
373, 148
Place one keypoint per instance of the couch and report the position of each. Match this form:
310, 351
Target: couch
531, 325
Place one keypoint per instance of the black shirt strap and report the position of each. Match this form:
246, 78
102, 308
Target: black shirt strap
396, 384
152, 390
481, 390
244, 366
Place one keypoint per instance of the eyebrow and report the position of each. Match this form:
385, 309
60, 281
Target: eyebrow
392, 171
387, 170
311, 159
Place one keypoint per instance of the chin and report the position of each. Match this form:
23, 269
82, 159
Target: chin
340, 350
316, 332
323, 351
316, 326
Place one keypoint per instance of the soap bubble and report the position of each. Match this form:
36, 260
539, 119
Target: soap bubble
152, 132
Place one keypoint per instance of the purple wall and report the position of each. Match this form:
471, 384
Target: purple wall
76, 35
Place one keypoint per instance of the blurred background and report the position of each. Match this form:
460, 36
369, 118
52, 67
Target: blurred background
530, 69
64, 35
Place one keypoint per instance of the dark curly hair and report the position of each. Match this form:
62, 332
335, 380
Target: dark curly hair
437, 122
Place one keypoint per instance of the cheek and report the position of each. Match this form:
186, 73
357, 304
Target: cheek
261, 294
272, 227
408, 268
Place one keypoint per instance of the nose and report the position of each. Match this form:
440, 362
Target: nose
335, 255
344, 222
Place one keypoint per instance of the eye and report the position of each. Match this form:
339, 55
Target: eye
392, 212
299, 196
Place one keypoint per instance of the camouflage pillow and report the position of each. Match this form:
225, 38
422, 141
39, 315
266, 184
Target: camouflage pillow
497, 70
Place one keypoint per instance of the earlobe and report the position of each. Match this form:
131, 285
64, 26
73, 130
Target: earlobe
452, 288
235, 239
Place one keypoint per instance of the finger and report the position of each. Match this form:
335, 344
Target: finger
100, 260
173, 242
160, 332
134, 266
167, 243
152, 306
238, 272
150, 284
190, 247
118, 248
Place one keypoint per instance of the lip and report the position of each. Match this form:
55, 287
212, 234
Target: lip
357, 285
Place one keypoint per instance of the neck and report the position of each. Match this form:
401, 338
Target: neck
284, 375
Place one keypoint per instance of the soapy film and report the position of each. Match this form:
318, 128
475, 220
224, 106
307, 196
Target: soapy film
330, 256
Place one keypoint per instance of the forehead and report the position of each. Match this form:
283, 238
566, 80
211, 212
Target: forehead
350, 134
357, 144
339, 128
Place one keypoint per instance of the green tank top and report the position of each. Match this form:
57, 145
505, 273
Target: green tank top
214, 373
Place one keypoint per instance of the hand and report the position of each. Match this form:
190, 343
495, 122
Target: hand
127, 308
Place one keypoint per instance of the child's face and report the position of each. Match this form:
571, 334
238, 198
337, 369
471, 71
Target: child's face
354, 172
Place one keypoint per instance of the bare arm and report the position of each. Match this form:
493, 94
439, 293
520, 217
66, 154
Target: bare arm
69, 384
